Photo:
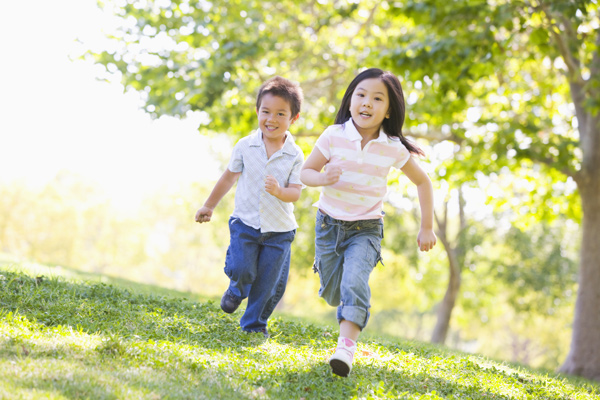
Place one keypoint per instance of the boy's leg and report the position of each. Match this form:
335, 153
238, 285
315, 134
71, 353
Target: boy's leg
271, 280
240, 263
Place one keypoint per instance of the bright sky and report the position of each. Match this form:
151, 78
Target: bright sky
55, 115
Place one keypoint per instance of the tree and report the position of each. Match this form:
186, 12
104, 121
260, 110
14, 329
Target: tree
528, 73
514, 83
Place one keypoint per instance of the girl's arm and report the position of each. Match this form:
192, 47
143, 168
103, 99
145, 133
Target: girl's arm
426, 238
223, 186
311, 174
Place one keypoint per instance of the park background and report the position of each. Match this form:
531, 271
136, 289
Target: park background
114, 130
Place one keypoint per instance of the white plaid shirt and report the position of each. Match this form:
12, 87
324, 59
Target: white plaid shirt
253, 205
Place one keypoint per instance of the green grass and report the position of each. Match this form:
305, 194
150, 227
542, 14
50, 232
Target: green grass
74, 339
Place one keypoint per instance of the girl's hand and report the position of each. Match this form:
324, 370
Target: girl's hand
204, 214
271, 185
331, 174
426, 239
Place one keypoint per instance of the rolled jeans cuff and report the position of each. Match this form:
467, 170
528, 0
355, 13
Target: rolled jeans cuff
358, 315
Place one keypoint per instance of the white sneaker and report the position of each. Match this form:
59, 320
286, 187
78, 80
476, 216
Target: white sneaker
341, 361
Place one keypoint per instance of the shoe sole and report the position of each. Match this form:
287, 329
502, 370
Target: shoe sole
339, 368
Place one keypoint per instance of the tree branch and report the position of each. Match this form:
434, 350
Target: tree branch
573, 63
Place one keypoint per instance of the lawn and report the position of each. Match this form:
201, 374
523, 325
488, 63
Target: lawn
72, 338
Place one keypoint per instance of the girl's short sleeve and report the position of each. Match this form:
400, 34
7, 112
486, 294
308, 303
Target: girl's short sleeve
236, 163
323, 143
402, 157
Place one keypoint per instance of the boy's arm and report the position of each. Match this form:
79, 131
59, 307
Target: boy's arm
426, 238
292, 191
223, 186
311, 174
288, 194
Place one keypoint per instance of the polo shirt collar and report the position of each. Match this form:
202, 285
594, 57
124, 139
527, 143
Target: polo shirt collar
353, 133
288, 145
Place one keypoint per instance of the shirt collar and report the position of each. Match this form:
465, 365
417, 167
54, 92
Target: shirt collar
354, 134
288, 145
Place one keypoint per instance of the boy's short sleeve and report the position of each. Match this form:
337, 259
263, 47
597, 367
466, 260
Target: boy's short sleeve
323, 143
296, 169
236, 163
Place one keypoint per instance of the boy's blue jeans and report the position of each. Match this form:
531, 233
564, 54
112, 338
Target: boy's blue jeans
346, 252
258, 266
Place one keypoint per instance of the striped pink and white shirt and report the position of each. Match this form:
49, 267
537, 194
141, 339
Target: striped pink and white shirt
360, 191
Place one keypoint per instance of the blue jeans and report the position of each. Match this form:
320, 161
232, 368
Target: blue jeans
258, 266
346, 252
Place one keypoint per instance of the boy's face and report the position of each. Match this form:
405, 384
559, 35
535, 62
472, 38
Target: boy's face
274, 117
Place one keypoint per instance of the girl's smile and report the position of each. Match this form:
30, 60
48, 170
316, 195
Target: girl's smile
369, 106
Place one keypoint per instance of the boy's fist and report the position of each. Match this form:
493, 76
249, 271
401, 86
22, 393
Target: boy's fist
203, 214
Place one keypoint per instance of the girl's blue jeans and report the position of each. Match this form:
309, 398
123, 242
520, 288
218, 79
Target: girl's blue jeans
258, 266
346, 252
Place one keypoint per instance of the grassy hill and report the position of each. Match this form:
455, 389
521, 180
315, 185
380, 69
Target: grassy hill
83, 339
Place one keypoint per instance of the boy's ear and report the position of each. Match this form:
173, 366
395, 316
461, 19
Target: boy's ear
294, 119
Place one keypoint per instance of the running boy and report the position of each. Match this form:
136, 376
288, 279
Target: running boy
262, 226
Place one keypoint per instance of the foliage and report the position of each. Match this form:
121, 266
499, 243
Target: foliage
90, 340
211, 57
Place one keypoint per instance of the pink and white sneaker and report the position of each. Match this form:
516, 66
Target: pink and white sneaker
341, 361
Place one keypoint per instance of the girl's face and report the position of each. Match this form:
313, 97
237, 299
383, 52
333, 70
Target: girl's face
369, 106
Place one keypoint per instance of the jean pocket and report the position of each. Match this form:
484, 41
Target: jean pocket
316, 265
376, 244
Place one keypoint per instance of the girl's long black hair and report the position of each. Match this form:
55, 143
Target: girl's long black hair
392, 126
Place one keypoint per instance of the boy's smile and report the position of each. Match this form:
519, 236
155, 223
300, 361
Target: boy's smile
274, 118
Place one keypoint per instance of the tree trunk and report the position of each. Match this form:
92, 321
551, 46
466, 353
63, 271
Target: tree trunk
584, 355
455, 258
440, 332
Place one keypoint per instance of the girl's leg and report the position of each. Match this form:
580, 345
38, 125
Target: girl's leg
362, 251
349, 330
341, 361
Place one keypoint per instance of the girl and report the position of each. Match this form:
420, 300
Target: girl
355, 155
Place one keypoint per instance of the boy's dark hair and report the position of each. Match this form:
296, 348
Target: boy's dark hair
392, 126
286, 89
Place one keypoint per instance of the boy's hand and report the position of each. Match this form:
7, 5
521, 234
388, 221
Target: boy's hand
426, 239
331, 174
204, 214
271, 185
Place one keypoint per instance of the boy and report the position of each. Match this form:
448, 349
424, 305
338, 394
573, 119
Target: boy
262, 226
